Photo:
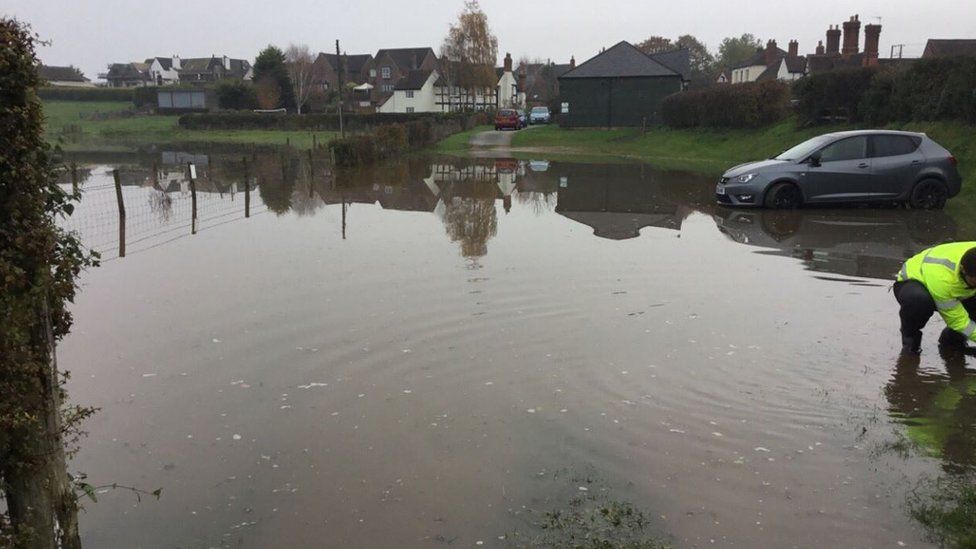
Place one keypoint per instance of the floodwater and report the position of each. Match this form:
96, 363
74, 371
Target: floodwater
435, 352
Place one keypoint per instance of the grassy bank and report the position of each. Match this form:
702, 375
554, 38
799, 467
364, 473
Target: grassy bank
459, 142
712, 151
72, 122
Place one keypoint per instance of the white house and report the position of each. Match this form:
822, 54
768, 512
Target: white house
164, 71
508, 90
415, 92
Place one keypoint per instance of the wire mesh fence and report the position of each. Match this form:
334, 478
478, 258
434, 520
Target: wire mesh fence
153, 216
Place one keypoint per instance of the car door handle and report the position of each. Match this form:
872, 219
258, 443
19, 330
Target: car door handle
863, 165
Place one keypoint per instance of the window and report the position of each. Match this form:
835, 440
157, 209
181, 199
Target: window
852, 148
892, 145
409, 109
385, 71
372, 73
409, 94
386, 87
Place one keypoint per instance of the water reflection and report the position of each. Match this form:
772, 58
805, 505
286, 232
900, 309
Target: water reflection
871, 243
938, 409
468, 195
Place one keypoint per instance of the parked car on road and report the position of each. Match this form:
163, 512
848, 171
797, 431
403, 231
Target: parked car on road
539, 115
844, 167
507, 118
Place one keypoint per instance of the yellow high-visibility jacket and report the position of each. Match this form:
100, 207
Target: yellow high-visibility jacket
938, 270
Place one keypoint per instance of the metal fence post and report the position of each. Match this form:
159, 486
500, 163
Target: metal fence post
118, 197
193, 197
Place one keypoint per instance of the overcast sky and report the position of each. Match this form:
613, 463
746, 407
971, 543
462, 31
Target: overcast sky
92, 33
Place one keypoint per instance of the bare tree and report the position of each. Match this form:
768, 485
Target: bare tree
470, 50
302, 71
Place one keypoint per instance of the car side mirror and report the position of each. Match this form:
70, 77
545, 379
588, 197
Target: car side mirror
815, 160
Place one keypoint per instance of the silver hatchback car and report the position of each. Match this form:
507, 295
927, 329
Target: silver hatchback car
844, 167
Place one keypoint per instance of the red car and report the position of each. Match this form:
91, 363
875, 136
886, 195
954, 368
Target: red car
507, 118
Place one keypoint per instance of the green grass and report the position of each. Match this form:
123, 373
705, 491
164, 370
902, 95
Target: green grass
71, 121
458, 143
946, 507
712, 151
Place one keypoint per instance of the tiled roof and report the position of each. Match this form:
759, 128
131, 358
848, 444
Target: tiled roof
354, 63
414, 80
677, 60
407, 58
621, 60
61, 74
945, 48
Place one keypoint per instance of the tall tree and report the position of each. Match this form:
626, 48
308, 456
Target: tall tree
302, 72
39, 263
270, 70
701, 59
470, 50
656, 44
736, 50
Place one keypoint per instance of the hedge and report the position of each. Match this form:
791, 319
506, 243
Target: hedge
310, 122
748, 105
925, 90
392, 139
85, 94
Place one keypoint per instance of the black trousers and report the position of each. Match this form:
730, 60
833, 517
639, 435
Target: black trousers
917, 307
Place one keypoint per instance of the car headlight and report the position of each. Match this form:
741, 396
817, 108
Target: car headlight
745, 178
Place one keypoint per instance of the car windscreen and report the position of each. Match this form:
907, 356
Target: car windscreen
506, 113
804, 149
540, 110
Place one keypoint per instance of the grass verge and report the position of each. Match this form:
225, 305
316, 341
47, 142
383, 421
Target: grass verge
78, 126
459, 142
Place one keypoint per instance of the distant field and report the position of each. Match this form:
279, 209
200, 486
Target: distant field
71, 122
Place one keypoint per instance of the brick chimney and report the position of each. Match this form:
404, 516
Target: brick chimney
872, 35
833, 40
772, 52
852, 36
572, 62
820, 48
794, 48
508, 62
521, 80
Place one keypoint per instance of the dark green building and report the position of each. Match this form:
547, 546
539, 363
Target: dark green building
622, 86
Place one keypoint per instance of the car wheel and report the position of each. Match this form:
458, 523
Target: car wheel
929, 194
783, 196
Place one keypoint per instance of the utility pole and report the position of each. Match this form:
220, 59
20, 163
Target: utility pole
342, 132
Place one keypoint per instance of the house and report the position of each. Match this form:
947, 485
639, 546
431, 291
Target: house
126, 75
326, 69
418, 91
621, 86
391, 65
164, 71
456, 97
771, 63
835, 56
63, 77
947, 48
724, 77
508, 93
213, 68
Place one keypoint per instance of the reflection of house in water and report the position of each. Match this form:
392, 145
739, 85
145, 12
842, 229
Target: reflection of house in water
616, 201
871, 243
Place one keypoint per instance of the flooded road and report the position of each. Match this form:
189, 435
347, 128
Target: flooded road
436, 353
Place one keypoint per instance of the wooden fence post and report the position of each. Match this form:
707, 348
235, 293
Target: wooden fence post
193, 197
118, 197
311, 164
74, 177
247, 190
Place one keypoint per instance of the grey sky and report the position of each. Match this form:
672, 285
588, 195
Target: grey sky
91, 33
